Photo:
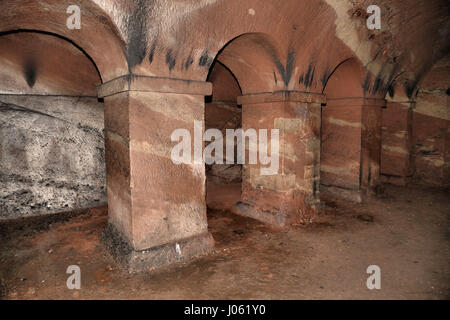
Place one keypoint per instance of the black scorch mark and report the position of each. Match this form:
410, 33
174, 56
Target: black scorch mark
205, 60
171, 59
286, 73
30, 72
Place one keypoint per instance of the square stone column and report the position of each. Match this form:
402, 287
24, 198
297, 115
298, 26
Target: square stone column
396, 139
292, 194
351, 146
156, 208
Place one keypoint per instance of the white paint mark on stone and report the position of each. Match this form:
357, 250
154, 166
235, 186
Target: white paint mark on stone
251, 11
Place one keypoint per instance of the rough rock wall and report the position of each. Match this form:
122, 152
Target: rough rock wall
51, 155
431, 127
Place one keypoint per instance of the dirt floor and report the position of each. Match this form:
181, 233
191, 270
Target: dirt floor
405, 232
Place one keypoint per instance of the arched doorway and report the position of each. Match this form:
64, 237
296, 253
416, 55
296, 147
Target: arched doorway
223, 181
52, 139
284, 189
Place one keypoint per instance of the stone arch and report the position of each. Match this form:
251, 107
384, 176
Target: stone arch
98, 36
346, 80
49, 64
225, 86
247, 64
252, 57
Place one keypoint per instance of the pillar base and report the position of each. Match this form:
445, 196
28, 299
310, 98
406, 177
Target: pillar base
276, 219
340, 193
278, 209
156, 257
395, 180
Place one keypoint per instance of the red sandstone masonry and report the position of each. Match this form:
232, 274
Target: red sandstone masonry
290, 196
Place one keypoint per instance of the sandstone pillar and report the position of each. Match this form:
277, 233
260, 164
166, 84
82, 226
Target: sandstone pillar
156, 209
351, 146
292, 194
396, 151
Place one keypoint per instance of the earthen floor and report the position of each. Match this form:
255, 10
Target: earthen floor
405, 232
